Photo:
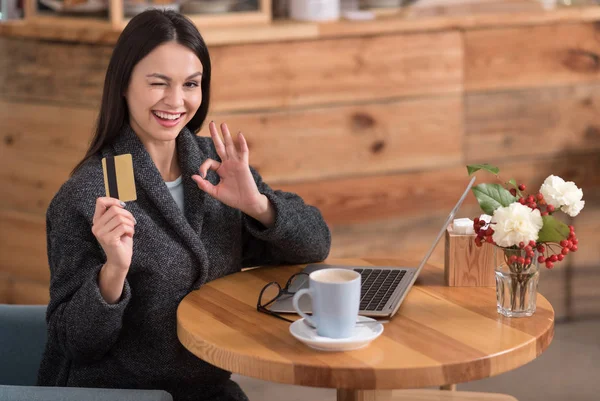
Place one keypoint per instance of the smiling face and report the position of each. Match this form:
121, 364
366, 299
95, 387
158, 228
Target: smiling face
164, 92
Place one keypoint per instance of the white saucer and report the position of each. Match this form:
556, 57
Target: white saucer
362, 335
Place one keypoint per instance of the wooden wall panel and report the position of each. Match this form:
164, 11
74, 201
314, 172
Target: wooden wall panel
23, 245
342, 70
254, 76
368, 198
587, 227
29, 292
51, 72
37, 155
525, 57
311, 144
410, 238
418, 194
406, 238
534, 122
5, 288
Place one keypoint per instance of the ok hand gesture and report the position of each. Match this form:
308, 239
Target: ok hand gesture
236, 187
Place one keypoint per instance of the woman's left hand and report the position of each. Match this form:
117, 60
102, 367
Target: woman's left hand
236, 187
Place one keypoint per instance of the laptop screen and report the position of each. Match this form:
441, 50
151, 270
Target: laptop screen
446, 223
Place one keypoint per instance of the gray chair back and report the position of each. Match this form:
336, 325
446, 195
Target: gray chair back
22, 342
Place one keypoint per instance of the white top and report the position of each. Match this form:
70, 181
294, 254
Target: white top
176, 189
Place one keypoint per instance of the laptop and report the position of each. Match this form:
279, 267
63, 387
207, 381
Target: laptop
383, 288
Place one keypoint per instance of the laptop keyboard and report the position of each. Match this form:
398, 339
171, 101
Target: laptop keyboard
377, 287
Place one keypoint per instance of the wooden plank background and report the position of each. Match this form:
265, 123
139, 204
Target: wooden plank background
373, 130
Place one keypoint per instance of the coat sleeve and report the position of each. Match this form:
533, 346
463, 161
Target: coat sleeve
80, 322
299, 235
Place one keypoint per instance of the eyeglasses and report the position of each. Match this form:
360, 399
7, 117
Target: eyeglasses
272, 292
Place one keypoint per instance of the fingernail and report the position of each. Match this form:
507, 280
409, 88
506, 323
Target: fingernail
134, 221
122, 203
203, 175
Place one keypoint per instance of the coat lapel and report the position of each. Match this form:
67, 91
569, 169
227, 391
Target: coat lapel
149, 180
190, 159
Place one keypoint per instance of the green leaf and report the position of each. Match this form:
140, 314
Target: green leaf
513, 182
471, 168
492, 196
553, 230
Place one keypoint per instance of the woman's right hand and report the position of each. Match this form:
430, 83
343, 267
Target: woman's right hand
113, 227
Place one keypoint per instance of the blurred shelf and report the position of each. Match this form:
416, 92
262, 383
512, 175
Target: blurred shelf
253, 27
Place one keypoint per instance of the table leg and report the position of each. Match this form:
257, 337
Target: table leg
364, 395
448, 387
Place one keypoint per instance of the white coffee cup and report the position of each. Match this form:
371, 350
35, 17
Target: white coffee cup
335, 295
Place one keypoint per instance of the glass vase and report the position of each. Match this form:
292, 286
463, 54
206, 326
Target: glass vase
517, 278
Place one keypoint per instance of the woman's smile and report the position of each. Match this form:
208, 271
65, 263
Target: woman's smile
167, 119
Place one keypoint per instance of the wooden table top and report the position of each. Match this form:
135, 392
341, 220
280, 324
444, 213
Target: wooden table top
440, 335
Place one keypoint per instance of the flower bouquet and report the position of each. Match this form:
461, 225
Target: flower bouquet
525, 232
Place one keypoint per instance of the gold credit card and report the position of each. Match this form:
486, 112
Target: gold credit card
118, 177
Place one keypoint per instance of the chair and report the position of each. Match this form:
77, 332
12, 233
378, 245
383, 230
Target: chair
22, 342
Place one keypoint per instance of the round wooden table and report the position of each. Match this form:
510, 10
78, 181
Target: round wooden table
441, 335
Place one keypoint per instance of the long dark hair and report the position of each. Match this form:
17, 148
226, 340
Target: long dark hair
144, 33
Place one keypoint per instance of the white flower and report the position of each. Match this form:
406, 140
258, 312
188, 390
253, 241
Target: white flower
563, 195
516, 223
574, 209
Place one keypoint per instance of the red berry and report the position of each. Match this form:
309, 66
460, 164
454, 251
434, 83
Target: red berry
522, 201
532, 205
522, 187
521, 260
544, 213
553, 258
528, 248
550, 208
574, 248
549, 265
571, 228
564, 243
560, 257
512, 259
541, 248
527, 261
521, 244
540, 196
531, 243
565, 251
513, 192
541, 259
530, 199
575, 241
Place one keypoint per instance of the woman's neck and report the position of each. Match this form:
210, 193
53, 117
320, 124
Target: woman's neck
164, 156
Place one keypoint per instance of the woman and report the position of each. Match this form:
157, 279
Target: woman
119, 271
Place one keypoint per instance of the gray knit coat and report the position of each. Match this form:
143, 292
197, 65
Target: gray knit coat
134, 344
